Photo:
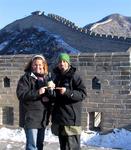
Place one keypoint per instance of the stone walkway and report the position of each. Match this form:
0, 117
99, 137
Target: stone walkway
9, 145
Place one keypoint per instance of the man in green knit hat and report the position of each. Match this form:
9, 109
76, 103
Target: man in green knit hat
69, 93
64, 57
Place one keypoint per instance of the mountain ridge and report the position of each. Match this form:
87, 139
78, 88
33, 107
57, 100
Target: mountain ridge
52, 34
114, 24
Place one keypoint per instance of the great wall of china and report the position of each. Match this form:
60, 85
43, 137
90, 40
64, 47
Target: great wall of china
107, 74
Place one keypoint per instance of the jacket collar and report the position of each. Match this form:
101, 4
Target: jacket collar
33, 75
68, 73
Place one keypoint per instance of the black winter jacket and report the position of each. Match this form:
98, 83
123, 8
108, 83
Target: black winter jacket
67, 107
32, 110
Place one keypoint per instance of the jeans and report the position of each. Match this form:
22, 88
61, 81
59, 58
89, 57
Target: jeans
34, 139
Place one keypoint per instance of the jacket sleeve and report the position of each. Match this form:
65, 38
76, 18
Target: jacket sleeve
25, 90
78, 91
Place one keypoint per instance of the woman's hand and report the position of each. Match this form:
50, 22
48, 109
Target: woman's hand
42, 90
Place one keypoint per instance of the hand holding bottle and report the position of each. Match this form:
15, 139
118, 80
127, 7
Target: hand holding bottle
42, 90
51, 84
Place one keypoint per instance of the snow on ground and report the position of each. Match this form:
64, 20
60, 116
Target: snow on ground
119, 138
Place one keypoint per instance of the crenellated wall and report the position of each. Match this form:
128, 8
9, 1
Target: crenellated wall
78, 38
106, 76
85, 31
83, 39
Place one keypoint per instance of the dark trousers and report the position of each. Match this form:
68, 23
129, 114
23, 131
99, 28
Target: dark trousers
69, 142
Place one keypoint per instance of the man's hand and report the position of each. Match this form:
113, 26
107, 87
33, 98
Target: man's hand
62, 90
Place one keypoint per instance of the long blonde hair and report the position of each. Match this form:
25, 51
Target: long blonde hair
28, 67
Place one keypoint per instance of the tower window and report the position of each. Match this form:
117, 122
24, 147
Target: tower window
8, 115
96, 83
95, 119
6, 82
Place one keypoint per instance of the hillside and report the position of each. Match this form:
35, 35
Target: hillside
51, 34
115, 25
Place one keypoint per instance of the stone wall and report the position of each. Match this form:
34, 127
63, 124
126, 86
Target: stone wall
109, 99
107, 78
11, 68
78, 38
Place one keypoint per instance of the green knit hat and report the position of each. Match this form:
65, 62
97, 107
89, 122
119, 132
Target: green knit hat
64, 57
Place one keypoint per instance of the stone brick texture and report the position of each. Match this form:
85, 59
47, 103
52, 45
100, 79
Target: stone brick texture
112, 100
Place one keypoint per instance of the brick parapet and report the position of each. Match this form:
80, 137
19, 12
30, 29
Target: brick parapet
112, 100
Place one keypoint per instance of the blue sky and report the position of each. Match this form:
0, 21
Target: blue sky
81, 12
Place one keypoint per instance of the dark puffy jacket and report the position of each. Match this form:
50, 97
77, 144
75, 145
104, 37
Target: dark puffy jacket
67, 107
32, 110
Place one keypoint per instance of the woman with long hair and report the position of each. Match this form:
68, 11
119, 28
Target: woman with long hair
34, 102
